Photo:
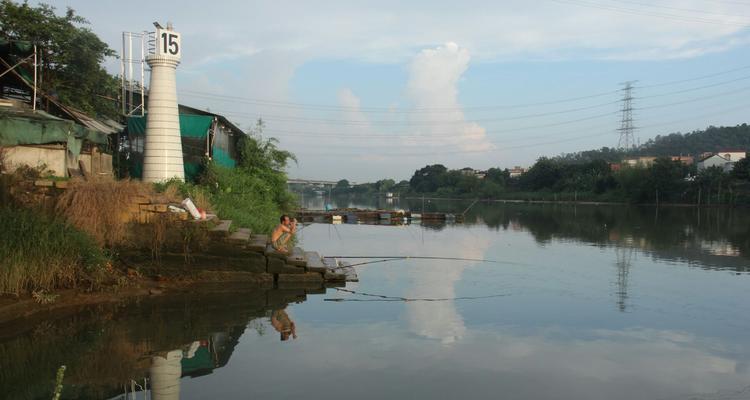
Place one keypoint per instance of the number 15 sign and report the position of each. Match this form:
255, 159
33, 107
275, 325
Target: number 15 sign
168, 43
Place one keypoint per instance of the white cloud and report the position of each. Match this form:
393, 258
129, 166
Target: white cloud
433, 84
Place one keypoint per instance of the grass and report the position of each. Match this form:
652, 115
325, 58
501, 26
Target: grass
102, 207
41, 252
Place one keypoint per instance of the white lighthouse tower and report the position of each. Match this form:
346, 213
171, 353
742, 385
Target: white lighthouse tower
162, 158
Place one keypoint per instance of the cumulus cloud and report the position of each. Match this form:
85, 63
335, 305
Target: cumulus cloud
434, 75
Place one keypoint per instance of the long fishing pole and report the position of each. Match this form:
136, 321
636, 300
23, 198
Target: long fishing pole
420, 258
382, 259
380, 297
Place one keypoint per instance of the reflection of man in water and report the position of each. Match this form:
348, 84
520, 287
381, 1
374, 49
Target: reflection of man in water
283, 324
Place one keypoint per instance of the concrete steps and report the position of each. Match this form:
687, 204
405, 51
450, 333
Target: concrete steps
239, 249
222, 229
314, 262
241, 236
258, 243
296, 257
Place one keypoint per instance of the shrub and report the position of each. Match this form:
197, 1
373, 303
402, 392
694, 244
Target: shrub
41, 252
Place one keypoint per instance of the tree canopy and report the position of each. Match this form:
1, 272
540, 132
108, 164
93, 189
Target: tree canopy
71, 55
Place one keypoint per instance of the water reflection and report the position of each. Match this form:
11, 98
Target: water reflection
283, 324
144, 347
709, 238
594, 302
706, 237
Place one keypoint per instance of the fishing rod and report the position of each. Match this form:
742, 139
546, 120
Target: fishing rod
382, 259
419, 258
380, 297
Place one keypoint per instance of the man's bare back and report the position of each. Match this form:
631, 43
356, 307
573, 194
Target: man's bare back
283, 233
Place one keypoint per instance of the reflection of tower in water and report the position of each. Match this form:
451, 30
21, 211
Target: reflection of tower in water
166, 372
623, 257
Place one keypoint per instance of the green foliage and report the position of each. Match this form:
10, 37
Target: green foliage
741, 170
44, 253
254, 193
428, 179
711, 139
71, 55
250, 200
342, 184
544, 174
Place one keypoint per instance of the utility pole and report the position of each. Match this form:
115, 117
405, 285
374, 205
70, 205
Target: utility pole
627, 138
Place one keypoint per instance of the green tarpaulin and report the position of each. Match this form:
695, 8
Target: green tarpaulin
193, 131
194, 126
43, 129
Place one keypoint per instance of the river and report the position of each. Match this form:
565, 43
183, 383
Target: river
578, 302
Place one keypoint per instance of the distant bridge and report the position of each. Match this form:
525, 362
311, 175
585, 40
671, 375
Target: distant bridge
310, 182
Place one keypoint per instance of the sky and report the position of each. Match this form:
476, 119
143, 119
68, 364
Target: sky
369, 90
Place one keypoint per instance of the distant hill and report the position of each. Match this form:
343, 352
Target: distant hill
711, 139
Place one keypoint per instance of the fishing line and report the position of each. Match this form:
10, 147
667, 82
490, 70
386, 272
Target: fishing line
381, 297
421, 258
382, 259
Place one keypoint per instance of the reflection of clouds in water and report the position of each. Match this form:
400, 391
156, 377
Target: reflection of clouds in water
546, 364
436, 279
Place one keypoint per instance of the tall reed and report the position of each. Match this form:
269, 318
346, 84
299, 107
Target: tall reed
41, 252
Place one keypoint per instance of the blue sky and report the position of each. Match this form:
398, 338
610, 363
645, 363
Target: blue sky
367, 90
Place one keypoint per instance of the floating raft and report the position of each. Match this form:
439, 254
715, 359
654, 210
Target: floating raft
390, 217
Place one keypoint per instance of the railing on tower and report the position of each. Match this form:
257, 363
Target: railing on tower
133, 68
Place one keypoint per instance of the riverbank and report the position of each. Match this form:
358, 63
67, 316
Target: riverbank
19, 311
71, 243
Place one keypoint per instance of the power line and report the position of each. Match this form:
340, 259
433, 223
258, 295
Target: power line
698, 88
325, 107
602, 133
407, 124
739, 3
694, 78
417, 110
693, 100
673, 17
703, 12
430, 122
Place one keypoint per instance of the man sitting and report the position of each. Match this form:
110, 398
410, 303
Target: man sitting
283, 232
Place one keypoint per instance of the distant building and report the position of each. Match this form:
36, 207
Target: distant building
732, 155
639, 161
724, 160
473, 172
517, 171
647, 161
686, 160
467, 171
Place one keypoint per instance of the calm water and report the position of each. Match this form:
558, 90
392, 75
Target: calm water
582, 303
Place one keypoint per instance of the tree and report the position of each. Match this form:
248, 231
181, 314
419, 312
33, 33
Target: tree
711, 180
428, 179
741, 170
667, 179
497, 176
71, 55
259, 153
385, 185
544, 174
